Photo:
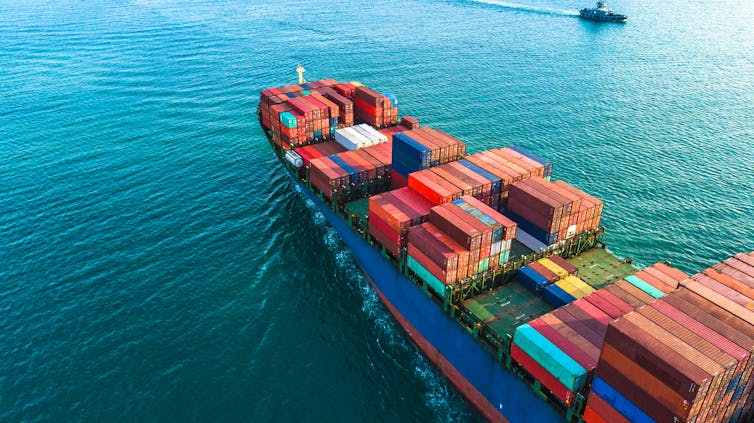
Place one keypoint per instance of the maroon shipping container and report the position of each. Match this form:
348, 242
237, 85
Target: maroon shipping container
741, 355
641, 387
634, 291
428, 239
327, 176
667, 364
564, 342
717, 373
564, 264
584, 330
545, 272
594, 325
604, 409
409, 122
446, 276
456, 226
714, 353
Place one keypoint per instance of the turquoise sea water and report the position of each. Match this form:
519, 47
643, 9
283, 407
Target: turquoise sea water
156, 263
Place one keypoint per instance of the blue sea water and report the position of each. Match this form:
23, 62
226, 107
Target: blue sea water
157, 264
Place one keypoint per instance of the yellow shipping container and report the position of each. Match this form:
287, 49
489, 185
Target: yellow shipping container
554, 268
568, 287
581, 285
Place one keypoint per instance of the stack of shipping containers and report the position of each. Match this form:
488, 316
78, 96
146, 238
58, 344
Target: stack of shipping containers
683, 357
460, 240
561, 349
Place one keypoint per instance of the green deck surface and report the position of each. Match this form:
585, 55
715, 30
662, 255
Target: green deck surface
599, 268
507, 307
358, 207
511, 305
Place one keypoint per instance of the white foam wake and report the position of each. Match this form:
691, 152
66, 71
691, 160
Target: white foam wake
529, 8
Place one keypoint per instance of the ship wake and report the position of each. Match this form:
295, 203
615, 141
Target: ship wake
529, 8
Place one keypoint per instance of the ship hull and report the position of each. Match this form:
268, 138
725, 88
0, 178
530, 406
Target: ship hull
475, 371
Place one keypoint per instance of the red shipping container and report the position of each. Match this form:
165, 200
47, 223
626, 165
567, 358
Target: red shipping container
604, 409
446, 276
543, 376
575, 332
591, 416
379, 224
420, 204
397, 180
432, 187
393, 249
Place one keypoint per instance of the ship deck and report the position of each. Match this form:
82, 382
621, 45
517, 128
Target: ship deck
599, 268
506, 307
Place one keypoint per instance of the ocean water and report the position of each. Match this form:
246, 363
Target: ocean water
156, 263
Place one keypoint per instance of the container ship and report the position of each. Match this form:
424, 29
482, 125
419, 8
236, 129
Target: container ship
500, 275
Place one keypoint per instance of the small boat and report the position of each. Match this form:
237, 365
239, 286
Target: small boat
602, 13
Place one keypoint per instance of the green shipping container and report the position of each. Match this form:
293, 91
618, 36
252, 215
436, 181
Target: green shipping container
504, 256
649, 289
484, 264
549, 356
426, 276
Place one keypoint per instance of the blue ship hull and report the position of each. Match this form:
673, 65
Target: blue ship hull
496, 392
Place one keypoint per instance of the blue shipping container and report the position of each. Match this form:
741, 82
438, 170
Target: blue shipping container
533, 230
531, 279
620, 403
556, 297
496, 182
352, 173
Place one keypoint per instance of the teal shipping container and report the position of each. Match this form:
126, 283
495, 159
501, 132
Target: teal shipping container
553, 359
644, 286
288, 120
426, 276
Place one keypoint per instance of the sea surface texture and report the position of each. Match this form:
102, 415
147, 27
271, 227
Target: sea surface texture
157, 264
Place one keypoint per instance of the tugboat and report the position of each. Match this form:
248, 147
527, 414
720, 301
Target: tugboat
602, 13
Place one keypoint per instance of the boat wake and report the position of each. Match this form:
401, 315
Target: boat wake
529, 8
444, 402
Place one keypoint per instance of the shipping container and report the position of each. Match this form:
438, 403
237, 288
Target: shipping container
551, 358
